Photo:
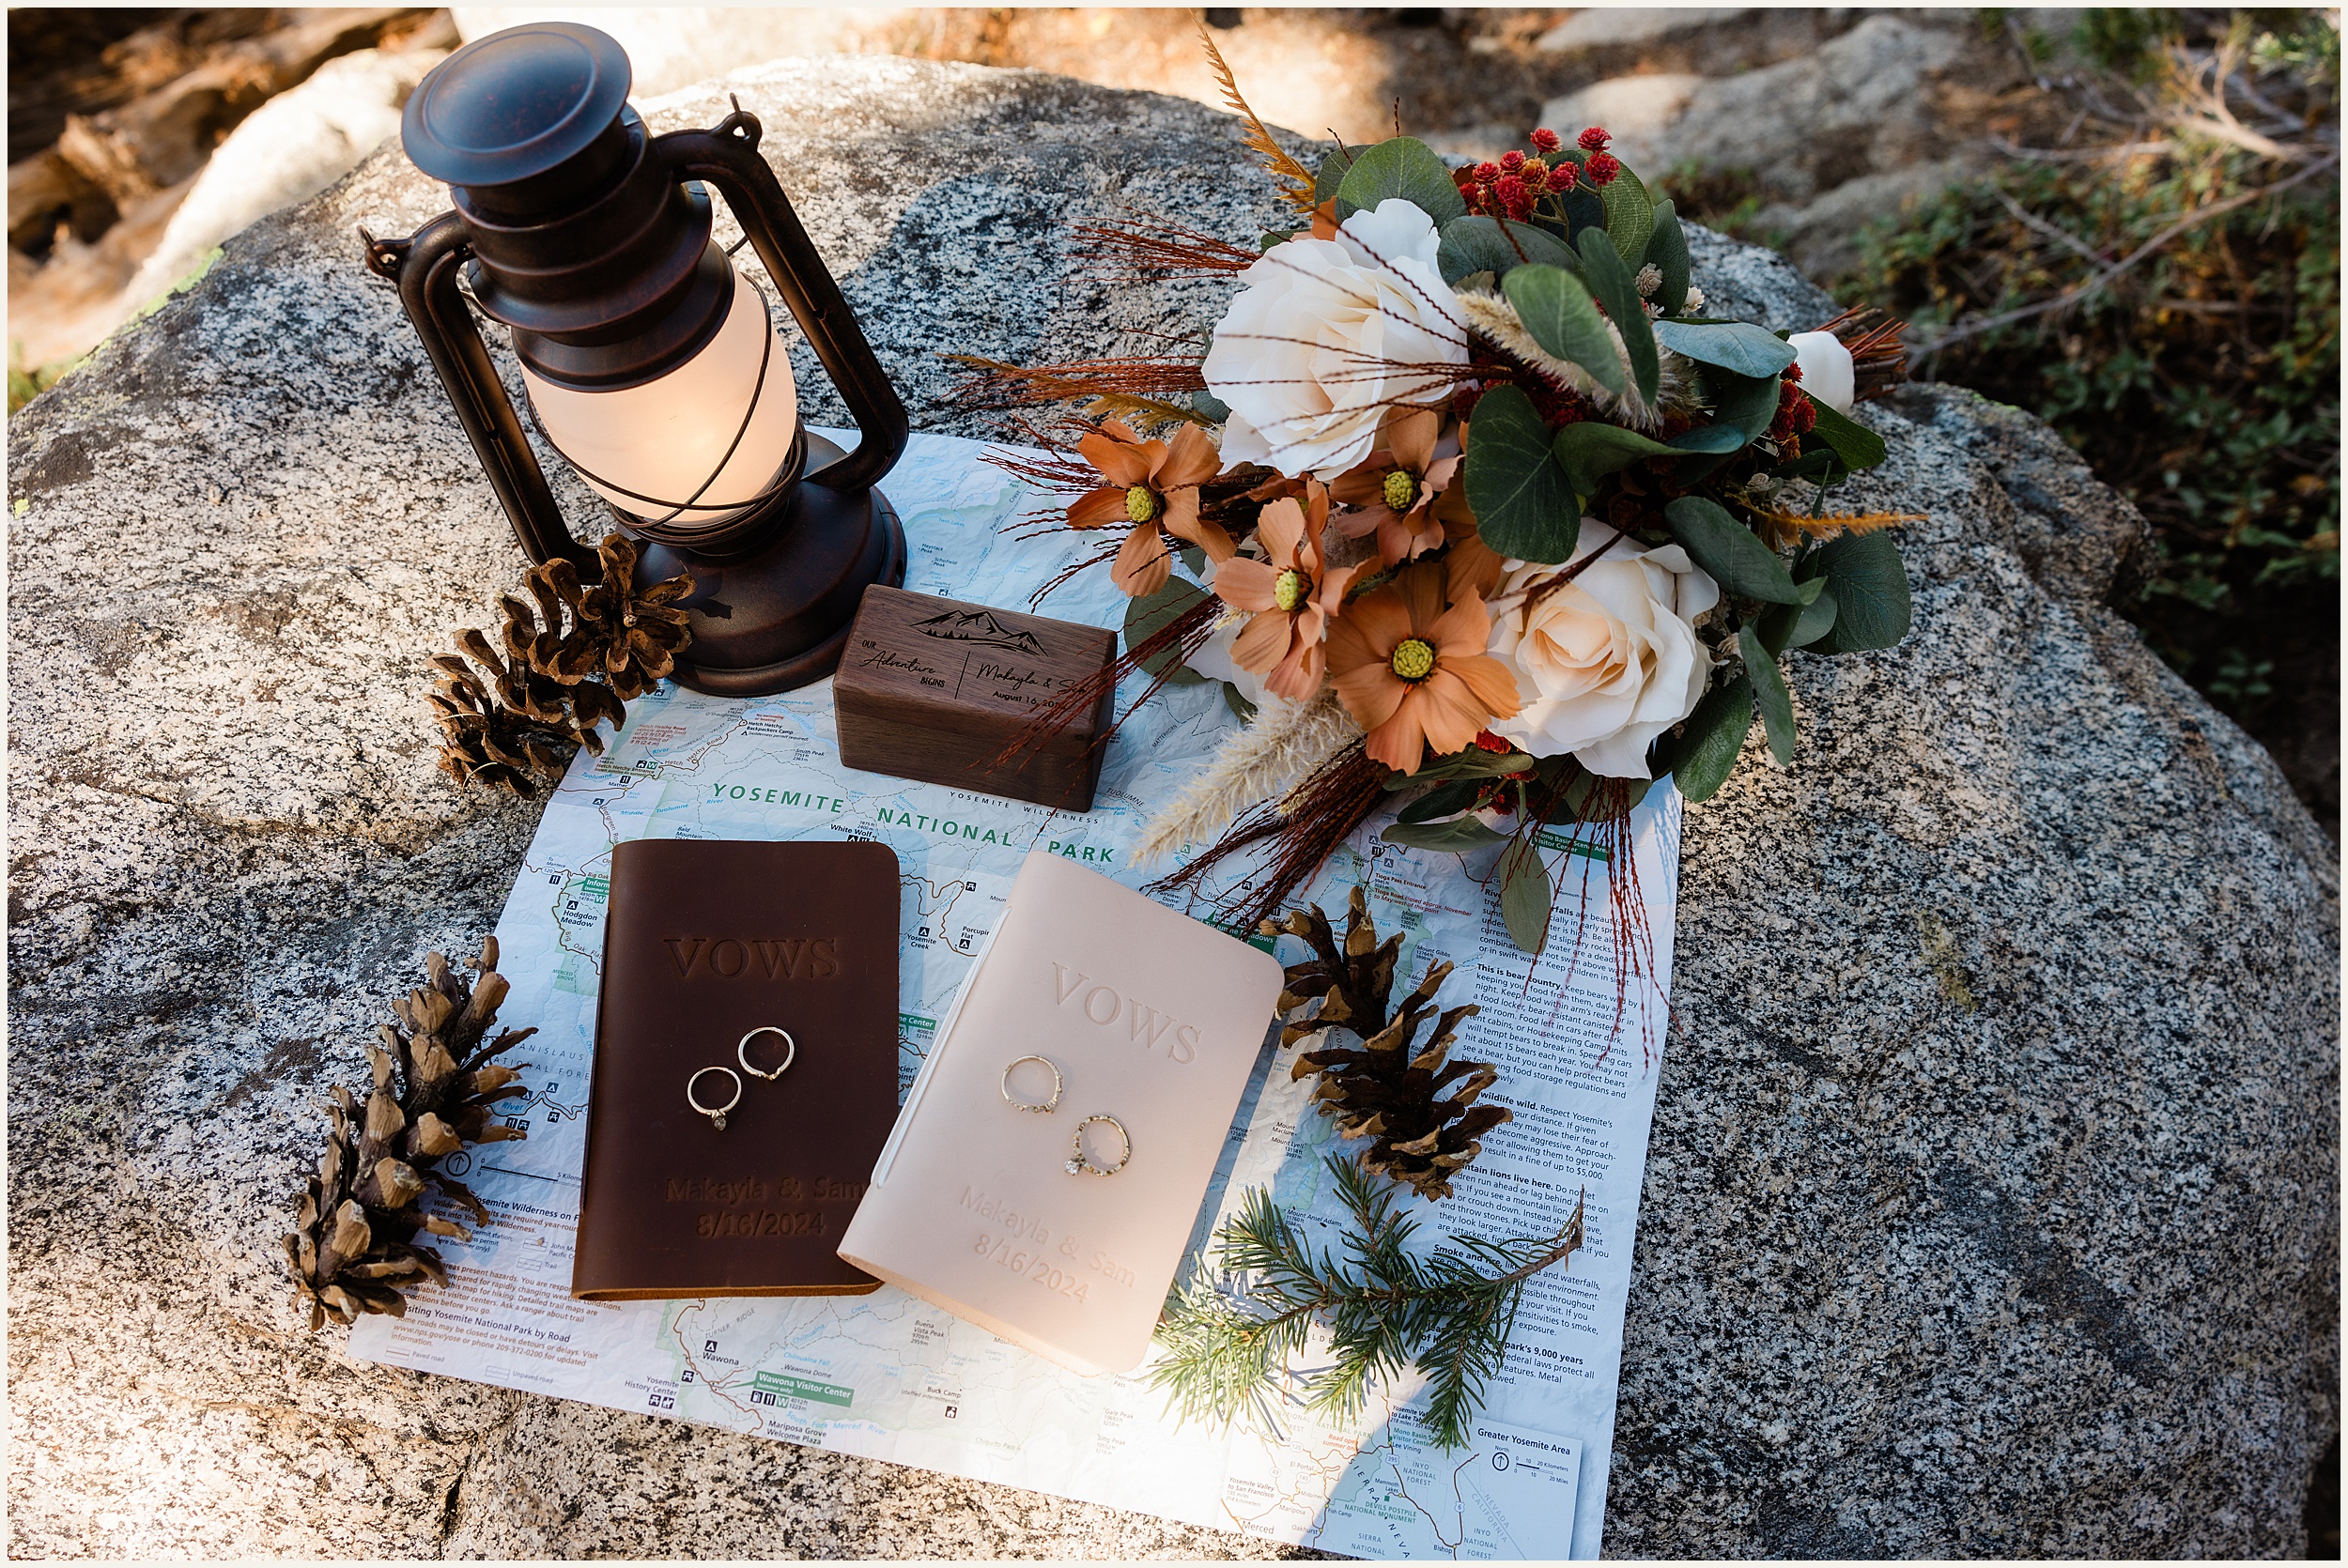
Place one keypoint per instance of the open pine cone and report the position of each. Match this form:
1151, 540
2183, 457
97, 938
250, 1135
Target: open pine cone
435, 1090
571, 660
1392, 1089
508, 728
606, 631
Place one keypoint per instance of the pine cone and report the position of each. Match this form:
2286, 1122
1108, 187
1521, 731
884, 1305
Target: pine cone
573, 655
1390, 1090
641, 634
510, 728
608, 630
486, 739
435, 1090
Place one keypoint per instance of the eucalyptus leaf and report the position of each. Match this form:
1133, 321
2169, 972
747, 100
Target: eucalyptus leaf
1736, 346
1523, 503
1730, 552
1781, 622
1809, 465
1459, 834
1399, 166
1481, 244
1667, 250
1591, 450
1710, 438
1702, 756
1525, 895
1210, 406
1145, 615
1238, 705
1585, 212
1476, 762
1853, 442
1629, 218
1331, 173
1746, 402
1444, 800
1269, 237
1769, 694
1863, 573
1816, 618
1557, 311
1610, 283
1467, 762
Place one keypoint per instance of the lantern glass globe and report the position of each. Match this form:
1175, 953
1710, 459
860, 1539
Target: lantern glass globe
648, 448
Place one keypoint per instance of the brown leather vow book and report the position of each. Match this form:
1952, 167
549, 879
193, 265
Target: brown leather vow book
707, 940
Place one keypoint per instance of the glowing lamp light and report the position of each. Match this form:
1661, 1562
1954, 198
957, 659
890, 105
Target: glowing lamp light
649, 363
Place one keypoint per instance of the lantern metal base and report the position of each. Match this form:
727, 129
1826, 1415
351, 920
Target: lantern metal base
776, 617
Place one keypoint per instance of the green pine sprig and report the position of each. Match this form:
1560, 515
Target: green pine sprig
1228, 1343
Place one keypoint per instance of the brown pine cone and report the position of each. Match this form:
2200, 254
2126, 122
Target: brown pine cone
1392, 1089
354, 1249
641, 634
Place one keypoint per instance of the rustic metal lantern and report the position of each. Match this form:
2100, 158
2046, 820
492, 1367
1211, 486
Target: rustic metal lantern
649, 363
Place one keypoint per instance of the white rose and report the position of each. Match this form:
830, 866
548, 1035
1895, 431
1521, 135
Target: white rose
1608, 662
1827, 373
1329, 335
1214, 660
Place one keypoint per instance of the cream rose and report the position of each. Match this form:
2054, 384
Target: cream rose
1608, 662
1828, 373
1214, 660
1327, 336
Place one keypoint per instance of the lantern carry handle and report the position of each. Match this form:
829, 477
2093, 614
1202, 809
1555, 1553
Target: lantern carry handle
726, 156
425, 266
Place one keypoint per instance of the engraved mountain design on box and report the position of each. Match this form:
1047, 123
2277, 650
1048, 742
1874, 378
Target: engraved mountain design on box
979, 626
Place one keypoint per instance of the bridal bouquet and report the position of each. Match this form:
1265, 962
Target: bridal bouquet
1469, 506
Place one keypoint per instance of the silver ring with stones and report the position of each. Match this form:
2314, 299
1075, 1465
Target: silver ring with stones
716, 1114
789, 1051
1081, 1164
1057, 1084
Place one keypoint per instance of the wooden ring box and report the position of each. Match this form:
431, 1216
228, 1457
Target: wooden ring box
935, 690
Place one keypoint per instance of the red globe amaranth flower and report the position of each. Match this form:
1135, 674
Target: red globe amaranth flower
1487, 741
1535, 174
1486, 172
1795, 414
1566, 176
1511, 161
1546, 140
1593, 140
1604, 168
1510, 193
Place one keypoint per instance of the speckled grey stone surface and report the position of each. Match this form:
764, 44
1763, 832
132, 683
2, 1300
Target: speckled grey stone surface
1992, 1204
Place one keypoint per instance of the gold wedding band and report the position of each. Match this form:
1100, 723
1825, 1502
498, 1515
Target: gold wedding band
1081, 1164
1057, 1084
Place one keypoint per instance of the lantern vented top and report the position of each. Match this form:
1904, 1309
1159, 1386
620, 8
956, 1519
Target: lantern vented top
522, 119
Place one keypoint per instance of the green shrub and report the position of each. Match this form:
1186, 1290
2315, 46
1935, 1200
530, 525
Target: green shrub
2203, 380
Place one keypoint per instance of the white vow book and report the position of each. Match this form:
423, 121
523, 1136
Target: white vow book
1151, 1018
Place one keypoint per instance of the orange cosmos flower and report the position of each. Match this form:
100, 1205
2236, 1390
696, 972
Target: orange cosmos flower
1470, 565
1291, 596
1414, 673
1397, 485
1152, 487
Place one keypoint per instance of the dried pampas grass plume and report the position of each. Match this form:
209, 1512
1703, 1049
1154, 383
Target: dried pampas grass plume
1283, 742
